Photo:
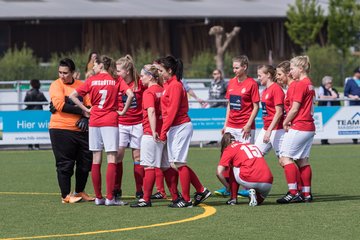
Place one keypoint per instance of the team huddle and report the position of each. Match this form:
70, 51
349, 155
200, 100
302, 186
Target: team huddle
148, 112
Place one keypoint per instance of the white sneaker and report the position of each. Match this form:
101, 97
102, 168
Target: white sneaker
99, 201
252, 195
114, 202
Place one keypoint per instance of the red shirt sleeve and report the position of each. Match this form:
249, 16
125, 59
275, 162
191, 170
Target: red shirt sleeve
299, 93
279, 96
84, 88
227, 157
148, 100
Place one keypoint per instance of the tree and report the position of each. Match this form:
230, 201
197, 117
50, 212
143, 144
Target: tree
305, 20
218, 32
343, 24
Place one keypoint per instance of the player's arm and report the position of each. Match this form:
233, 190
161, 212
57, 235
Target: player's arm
279, 111
74, 97
247, 128
152, 121
291, 114
130, 95
219, 174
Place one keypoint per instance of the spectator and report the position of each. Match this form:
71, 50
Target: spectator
326, 91
217, 89
90, 64
352, 90
34, 95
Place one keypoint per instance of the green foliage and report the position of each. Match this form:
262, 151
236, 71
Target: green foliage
305, 20
143, 57
201, 65
343, 24
18, 64
325, 61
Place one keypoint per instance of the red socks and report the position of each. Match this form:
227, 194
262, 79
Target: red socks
171, 179
96, 179
306, 175
149, 180
119, 174
234, 186
187, 176
291, 174
138, 175
110, 180
159, 181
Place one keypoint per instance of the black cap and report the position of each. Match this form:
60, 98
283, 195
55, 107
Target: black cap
357, 70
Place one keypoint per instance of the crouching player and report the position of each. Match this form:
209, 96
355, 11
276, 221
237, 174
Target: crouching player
248, 169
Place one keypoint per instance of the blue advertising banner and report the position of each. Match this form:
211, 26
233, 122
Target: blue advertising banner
31, 127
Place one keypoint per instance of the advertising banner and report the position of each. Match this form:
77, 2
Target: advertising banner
31, 127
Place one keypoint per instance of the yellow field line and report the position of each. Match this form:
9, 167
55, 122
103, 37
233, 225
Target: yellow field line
208, 212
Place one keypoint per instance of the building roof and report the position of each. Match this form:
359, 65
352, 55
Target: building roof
124, 9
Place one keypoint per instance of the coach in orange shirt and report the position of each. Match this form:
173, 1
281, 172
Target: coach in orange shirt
68, 135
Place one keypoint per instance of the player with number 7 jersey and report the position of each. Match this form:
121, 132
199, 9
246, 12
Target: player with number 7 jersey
248, 169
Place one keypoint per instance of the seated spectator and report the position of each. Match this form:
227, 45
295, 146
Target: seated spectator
326, 91
217, 89
352, 91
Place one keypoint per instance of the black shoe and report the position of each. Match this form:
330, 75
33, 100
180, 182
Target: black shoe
232, 201
200, 197
141, 203
157, 195
308, 198
290, 198
117, 194
181, 203
139, 195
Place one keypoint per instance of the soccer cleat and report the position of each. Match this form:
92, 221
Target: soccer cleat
200, 197
114, 202
99, 201
222, 192
139, 195
181, 203
231, 201
290, 198
157, 195
243, 193
252, 197
117, 194
84, 196
308, 198
141, 203
71, 199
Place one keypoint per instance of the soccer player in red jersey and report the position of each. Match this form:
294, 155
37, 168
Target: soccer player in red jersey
243, 105
272, 104
153, 153
300, 127
177, 129
248, 168
130, 125
103, 89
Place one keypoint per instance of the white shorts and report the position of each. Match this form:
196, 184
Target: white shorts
153, 154
297, 144
276, 140
260, 187
237, 133
178, 142
130, 135
103, 138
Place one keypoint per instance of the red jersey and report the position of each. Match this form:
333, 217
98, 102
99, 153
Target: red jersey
289, 94
103, 90
304, 95
151, 98
270, 98
241, 96
247, 157
174, 105
134, 114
